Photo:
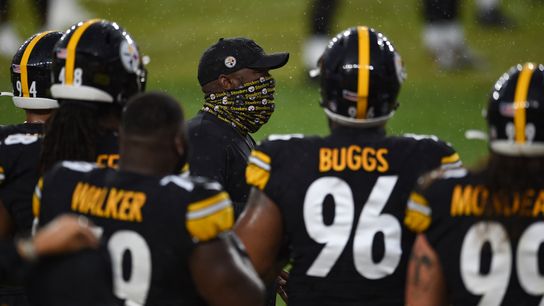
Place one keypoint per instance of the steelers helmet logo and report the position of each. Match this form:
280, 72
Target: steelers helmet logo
230, 61
130, 56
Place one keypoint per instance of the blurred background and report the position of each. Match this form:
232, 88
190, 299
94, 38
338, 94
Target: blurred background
174, 33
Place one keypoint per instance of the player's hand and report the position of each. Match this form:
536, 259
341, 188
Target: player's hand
281, 285
67, 233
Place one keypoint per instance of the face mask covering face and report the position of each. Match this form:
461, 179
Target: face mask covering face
246, 108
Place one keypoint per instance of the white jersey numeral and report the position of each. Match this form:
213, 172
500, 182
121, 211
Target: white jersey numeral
493, 285
136, 287
335, 236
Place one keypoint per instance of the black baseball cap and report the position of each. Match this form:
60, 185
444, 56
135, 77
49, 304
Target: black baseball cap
229, 55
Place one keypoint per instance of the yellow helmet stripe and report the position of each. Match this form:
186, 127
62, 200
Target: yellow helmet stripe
71, 50
520, 101
24, 62
364, 71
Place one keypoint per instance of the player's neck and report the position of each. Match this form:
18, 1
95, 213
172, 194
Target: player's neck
38, 116
156, 161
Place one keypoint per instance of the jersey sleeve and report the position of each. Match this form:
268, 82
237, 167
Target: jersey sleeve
209, 213
54, 186
436, 149
428, 209
266, 171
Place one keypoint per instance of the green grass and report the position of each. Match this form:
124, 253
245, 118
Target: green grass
174, 33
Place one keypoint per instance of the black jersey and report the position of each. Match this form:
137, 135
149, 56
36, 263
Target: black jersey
220, 152
23, 128
343, 199
20, 153
20, 148
490, 247
150, 224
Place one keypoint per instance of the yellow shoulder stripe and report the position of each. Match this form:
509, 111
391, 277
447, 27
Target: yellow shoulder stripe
210, 217
450, 159
262, 156
208, 202
257, 176
418, 198
418, 213
37, 198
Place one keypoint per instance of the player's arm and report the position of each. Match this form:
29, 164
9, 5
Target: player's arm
261, 218
425, 284
63, 235
223, 277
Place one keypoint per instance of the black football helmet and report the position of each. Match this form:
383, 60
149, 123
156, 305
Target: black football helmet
31, 72
515, 113
97, 61
361, 74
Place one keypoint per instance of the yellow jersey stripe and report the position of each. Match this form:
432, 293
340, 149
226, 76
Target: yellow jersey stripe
257, 176
71, 50
218, 198
418, 198
450, 159
364, 72
262, 156
37, 198
520, 101
24, 61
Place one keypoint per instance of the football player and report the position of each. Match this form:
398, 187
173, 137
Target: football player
20, 144
96, 68
481, 230
340, 199
167, 236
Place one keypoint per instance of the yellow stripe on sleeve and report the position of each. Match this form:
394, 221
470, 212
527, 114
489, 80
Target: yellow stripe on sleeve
258, 169
37, 198
363, 72
257, 176
71, 50
208, 218
520, 101
208, 202
262, 156
24, 62
418, 198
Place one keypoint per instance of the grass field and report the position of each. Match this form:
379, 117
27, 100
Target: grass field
174, 33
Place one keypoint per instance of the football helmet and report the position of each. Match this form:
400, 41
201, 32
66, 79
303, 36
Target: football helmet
361, 74
97, 61
31, 72
515, 113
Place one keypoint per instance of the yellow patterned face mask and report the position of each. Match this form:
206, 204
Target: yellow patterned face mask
246, 108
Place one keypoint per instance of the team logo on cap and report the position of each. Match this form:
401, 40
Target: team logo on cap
230, 61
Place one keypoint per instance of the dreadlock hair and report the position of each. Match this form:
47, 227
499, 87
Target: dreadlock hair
72, 131
510, 174
507, 178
